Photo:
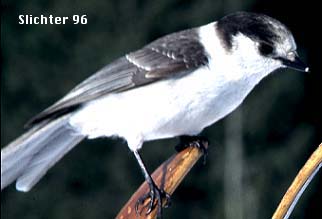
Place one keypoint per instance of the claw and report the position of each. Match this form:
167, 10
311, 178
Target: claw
194, 141
155, 196
167, 200
200, 144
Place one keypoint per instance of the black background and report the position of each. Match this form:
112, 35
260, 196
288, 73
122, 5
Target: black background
281, 118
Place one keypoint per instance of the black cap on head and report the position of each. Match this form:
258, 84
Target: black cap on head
258, 27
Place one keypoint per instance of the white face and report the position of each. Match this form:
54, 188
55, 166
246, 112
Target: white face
246, 53
256, 56
257, 44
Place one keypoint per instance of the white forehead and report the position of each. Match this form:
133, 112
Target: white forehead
286, 42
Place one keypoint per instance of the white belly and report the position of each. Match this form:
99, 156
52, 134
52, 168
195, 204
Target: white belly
164, 109
161, 110
172, 107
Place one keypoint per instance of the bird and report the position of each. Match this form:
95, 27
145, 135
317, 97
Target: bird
177, 85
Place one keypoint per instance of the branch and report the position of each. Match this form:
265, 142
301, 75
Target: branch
168, 176
299, 184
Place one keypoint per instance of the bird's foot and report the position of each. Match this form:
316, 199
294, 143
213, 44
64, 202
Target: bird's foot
199, 142
156, 198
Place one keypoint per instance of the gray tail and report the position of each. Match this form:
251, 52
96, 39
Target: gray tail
28, 158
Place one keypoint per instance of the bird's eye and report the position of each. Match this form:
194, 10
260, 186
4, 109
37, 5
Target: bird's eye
266, 49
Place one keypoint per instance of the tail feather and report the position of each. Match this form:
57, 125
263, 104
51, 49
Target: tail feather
55, 149
30, 156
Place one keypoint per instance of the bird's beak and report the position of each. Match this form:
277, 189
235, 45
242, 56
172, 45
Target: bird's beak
294, 62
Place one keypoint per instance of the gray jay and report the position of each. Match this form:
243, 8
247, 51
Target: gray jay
177, 85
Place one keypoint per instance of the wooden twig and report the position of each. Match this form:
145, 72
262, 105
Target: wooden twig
168, 176
299, 184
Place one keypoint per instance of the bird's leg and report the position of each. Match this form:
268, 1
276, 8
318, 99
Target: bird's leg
193, 141
155, 193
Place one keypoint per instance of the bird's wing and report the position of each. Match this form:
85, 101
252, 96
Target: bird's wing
172, 55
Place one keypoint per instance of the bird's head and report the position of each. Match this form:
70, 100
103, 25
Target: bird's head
259, 42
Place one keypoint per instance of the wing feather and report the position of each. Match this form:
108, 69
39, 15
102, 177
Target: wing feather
166, 57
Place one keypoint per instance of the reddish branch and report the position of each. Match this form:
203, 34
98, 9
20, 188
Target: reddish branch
168, 176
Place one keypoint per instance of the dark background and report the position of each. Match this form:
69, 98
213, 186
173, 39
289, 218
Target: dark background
255, 153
